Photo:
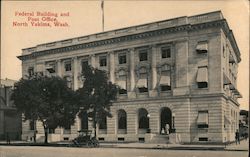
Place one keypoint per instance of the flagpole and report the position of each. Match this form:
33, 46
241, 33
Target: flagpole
102, 6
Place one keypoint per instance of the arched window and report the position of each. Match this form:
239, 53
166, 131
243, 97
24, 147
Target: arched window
122, 119
143, 119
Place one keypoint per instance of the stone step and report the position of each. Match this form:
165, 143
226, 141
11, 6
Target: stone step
157, 138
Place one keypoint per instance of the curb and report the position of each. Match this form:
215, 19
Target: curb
125, 147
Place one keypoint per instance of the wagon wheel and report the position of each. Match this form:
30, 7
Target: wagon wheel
96, 143
89, 144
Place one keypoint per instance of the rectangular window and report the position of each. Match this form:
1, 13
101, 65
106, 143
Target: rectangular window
166, 52
121, 139
165, 81
142, 85
202, 77
122, 59
103, 61
202, 84
203, 139
31, 71
84, 65
202, 47
202, 120
101, 138
165, 88
122, 87
67, 129
143, 55
51, 131
67, 66
51, 68
32, 125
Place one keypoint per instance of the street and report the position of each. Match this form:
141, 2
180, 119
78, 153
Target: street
27, 151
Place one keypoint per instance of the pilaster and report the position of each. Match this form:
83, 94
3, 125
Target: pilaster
112, 66
75, 73
153, 91
59, 68
92, 60
131, 92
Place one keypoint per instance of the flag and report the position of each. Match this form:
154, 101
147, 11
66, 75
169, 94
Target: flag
102, 6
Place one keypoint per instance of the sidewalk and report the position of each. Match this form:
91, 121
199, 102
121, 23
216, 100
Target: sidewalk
232, 147
243, 146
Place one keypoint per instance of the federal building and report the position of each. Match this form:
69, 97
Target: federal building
178, 79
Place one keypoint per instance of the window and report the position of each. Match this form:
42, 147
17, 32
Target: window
143, 55
165, 81
67, 66
165, 52
165, 87
84, 65
203, 139
142, 85
121, 139
202, 47
143, 119
122, 59
122, 119
202, 120
31, 71
202, 84
202, 77
32, 125
103, 61
51, 131
123, 86
103, 122
51, 68
67, 129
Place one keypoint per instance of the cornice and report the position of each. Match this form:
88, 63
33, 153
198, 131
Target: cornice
125, 38
169, 99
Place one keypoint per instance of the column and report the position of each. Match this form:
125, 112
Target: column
75, 73
59, 68
92, 60
112, 66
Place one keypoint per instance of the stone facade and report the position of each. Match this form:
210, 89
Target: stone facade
178, 76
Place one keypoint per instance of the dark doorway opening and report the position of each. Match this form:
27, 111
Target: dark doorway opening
166, 121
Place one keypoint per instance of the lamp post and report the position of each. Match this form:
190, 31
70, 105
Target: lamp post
173, 121
148, 130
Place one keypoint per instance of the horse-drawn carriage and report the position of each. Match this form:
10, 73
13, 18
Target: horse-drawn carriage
84, 139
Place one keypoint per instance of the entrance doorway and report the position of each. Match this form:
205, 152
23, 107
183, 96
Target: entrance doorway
166, 121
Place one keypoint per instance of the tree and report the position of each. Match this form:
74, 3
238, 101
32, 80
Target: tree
96, 95
45, 99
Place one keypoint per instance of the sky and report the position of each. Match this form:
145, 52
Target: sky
85, 17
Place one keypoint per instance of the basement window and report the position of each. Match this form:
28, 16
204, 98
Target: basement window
203, 139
